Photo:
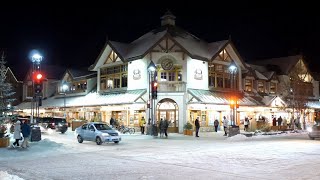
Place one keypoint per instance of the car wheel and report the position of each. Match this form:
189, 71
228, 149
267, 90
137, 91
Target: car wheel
80, 140
312, 138
62, 132
98, 141
116, 142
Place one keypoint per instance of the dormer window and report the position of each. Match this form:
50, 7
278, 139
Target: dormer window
114, 77
261, 86
273, 87
219, 76
248, 85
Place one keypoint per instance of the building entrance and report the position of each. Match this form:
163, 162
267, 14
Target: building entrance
168, 109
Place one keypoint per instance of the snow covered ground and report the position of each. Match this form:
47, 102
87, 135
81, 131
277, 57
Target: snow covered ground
212, 156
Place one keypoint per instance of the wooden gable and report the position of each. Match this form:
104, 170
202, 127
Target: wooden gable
67, 77
167, 45
223, 56
301, 72
112, 57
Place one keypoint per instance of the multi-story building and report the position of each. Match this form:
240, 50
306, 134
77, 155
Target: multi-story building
193, 81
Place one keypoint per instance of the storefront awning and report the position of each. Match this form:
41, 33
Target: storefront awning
91, 99
208, 97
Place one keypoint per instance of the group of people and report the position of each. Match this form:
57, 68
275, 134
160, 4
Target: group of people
278, 121
163, 126
225, 123
19, 129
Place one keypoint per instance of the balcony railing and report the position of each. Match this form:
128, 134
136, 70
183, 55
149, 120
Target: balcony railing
171, 86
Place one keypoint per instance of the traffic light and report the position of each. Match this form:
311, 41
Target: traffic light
232, 103
38, 81
237, 104
154, 88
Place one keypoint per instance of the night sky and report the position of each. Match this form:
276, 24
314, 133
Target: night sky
73, 36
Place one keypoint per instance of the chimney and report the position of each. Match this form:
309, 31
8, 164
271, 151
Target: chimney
168, 19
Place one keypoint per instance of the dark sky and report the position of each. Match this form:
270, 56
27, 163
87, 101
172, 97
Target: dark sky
73, 35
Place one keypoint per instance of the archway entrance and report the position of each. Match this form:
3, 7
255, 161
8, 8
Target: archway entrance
169, 110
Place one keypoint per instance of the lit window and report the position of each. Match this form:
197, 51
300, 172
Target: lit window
248, 85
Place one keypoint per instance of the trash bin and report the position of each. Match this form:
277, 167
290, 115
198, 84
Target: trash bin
154, 130
233, 130
35, 133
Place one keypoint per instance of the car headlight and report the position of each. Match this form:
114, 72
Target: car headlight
105, 134
309, 129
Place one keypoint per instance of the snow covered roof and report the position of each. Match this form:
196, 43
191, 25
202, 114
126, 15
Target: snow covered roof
284, 64
262, 72
193, 46
79, 73
52, 71
208, 97
313, 104
260, 76
91, 99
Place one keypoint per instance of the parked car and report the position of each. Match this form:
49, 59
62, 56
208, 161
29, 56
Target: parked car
54, 123
314, 131
98, 132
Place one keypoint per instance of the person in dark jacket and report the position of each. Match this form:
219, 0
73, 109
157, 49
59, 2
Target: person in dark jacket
25, 130
112, 122
197, 124
216, 124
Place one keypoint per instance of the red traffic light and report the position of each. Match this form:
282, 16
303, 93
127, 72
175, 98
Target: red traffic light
39, 76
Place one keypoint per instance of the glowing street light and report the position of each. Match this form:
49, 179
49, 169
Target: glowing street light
151, 69
65, 88
234, 99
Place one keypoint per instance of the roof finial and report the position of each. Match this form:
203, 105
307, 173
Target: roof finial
168, 19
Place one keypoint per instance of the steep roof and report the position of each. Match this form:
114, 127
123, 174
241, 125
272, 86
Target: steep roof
263, 70
283, 64
53, 71
195, 47
81, 72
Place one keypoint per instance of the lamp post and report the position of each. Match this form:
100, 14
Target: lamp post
64, 88
233, 100
36, 59
151, 120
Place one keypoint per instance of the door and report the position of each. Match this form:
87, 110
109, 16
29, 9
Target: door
170, 115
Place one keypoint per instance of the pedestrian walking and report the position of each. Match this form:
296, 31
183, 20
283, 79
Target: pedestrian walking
197, 124
225, 125
17, 134
25, 130
142, 124
163, 126
216, 124
246, 124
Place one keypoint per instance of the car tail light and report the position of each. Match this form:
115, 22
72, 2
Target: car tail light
67, 124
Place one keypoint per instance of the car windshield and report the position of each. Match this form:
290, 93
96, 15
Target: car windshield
102, 127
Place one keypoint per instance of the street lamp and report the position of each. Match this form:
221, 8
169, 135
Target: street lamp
65, 88
151, 69
234, 98
36, 59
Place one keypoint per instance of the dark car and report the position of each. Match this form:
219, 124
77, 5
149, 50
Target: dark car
54, 123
